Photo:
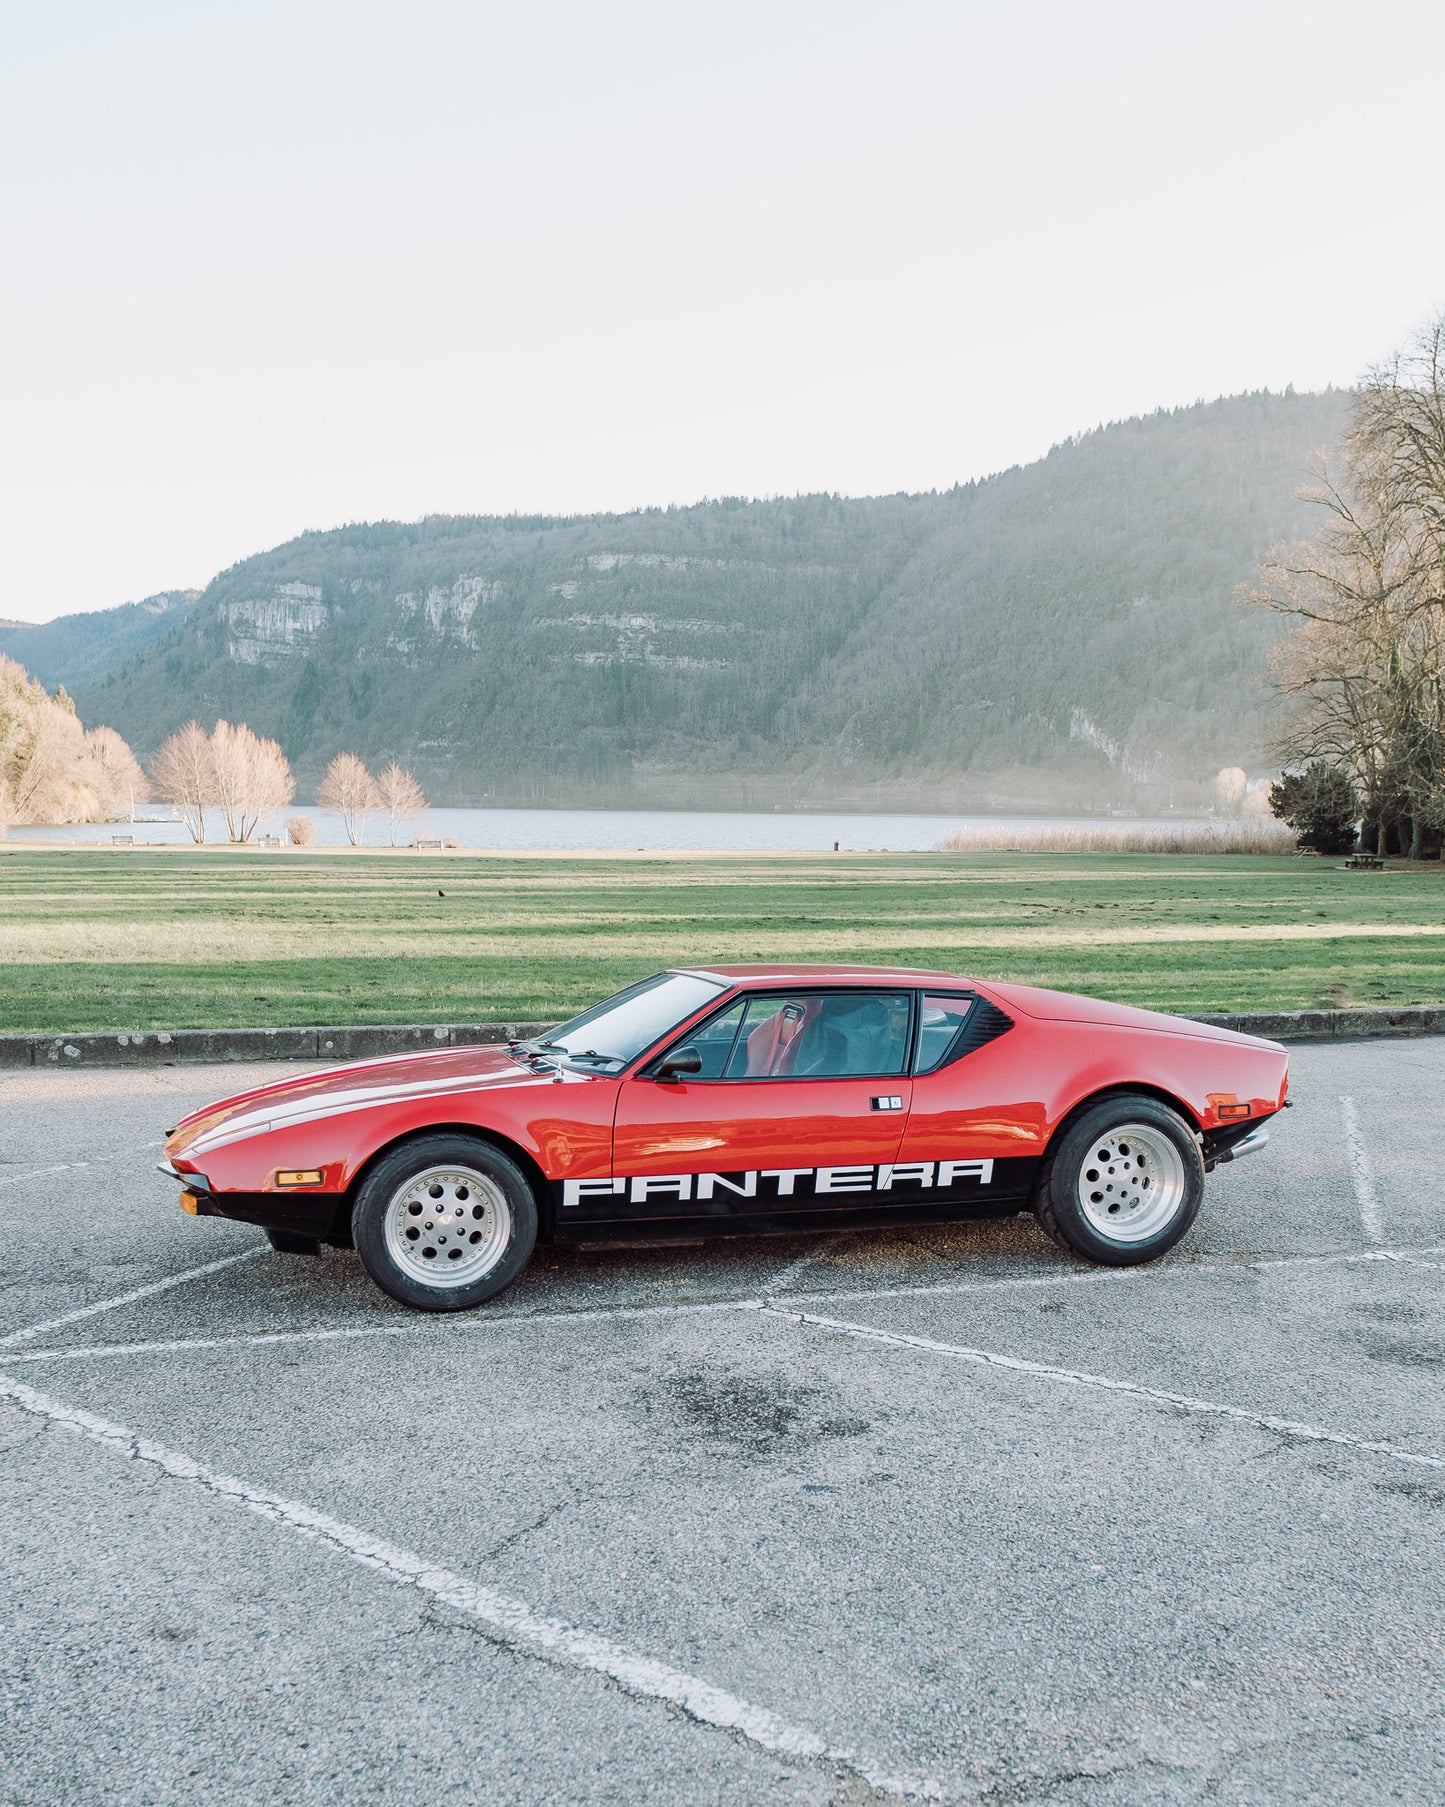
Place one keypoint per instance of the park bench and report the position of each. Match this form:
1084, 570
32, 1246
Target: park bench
427, 841
122, 840
1364, 862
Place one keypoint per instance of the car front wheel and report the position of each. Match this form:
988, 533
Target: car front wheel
444, 1222
1123, 1182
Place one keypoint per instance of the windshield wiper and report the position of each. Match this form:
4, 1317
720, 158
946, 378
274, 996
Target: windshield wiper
542, 1048
529, 1049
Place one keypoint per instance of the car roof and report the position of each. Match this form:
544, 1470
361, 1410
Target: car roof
791, 973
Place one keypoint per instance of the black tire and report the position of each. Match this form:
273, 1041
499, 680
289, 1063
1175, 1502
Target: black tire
484, 1217
292, 1242
1094, 1178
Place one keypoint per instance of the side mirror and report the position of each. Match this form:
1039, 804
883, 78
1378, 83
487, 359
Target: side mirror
678, 1064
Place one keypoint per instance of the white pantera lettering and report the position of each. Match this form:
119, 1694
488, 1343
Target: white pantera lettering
574, 1191
843, 1179
746, 1187
920, 1173
825, 1181
949, 1171
678, 1184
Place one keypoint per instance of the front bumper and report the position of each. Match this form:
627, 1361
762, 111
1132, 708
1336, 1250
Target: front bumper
317, 1214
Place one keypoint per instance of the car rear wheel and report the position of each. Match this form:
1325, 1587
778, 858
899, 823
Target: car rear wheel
444, 1222
1123, 1182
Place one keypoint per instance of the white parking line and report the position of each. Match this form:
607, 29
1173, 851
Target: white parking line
139, 1292
782, 1281
514, 1621
1406, 1260
510, 1320
1362, 1175
518, 1319
34, 1172
362, 1332
1071, 1377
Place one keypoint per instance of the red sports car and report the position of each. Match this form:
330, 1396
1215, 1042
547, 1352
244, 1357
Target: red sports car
740, 1099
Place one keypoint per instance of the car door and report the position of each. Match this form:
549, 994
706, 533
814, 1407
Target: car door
977, 1125
801, 1100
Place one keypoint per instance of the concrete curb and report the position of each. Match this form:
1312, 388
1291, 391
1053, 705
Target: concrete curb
1334, 1025
182, 1047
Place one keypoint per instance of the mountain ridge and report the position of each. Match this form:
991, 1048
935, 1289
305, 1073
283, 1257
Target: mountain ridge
1063, 632
80, 649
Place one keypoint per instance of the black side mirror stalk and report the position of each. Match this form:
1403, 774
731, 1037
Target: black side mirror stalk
678, 1064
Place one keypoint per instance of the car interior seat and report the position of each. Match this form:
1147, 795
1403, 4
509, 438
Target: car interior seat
773, 1046
823, 1050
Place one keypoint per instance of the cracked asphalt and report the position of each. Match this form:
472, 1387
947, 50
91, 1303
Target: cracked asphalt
924, 1514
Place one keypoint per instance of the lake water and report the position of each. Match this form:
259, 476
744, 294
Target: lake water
551, 830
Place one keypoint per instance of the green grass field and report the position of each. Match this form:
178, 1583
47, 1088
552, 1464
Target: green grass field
115, 939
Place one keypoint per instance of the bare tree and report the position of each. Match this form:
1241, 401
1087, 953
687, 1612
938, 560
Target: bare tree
115, 772
401, 798
44, 755
42, 751
300, 830
252, 776
183, 773
51, 770
351, 790
1230, 784
1399, 431
1365, 663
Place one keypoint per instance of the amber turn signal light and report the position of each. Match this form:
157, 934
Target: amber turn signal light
302, 1176
1227, 1111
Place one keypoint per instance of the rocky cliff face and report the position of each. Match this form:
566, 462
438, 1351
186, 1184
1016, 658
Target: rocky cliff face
1065, 632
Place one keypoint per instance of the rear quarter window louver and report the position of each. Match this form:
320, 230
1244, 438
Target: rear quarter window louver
985, 1023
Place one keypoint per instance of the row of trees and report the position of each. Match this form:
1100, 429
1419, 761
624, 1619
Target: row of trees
51, 768
245, 776
351, 790
1364, 663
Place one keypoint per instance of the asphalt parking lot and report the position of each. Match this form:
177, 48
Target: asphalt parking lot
937, 1514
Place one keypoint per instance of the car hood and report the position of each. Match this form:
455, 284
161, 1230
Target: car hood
361, 1085
1066, 1007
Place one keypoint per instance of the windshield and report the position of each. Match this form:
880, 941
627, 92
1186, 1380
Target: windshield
616, 1032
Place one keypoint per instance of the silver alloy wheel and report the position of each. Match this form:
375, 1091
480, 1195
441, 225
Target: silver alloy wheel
448, 1226
1131, 1183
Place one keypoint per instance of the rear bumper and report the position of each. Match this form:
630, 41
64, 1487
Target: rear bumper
1233, 1143
1250, 1144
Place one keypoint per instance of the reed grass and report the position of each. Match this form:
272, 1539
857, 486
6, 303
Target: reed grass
1125, 837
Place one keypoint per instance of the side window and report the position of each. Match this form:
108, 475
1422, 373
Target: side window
828, 1035
714, 1039
939, 1022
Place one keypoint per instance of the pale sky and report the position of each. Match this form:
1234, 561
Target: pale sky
269, 267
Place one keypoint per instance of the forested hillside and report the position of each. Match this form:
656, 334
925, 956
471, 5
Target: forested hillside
77, 650
1063, 633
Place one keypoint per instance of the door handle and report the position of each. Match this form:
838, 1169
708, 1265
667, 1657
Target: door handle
889, 1102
